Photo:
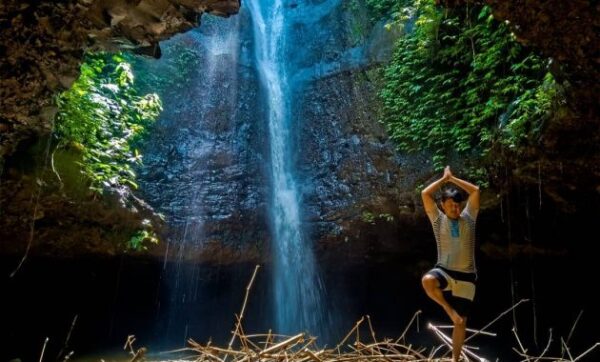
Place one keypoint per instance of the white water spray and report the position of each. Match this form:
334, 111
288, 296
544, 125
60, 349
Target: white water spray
298, 288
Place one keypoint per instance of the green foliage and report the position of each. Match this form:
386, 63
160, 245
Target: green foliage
394, 11
380, 8
460, 83
372, 218
519, 122
388, 8
103, 118
140, 239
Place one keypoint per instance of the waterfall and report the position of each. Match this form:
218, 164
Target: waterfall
298, 288
199, 141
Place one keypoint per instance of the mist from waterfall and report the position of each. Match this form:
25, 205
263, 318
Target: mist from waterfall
298, 288
219, 41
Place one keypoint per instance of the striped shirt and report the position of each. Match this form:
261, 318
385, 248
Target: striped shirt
455, 240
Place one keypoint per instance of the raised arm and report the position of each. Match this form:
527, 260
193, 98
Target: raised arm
472, 190
428, 192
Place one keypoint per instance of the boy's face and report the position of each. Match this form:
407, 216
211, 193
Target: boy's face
451, 208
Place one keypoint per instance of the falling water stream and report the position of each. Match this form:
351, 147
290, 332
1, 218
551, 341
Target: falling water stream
297, 285
219, 39
297, 289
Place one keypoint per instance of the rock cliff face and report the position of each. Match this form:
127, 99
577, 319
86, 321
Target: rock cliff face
205, 166
356, 190
42, 44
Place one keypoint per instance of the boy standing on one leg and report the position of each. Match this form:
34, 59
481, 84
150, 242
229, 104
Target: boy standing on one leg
451, 283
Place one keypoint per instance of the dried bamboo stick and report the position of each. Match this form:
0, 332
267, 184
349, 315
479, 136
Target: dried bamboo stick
178, 349
44, 349
523, 350
227, 351
349, 334
565, 349
498, 317
574, 325
547, 347
448, 341
313, 356
408, 349
256, 335
244, 305
372, 332
292, 340
408, 326
269, 339
587, 351
491, 334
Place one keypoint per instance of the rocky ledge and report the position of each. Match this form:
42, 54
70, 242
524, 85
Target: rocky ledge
42, 44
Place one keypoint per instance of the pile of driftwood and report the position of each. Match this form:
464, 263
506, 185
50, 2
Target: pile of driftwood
272, 347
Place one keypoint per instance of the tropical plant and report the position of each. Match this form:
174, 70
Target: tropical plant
459, 83
103, 118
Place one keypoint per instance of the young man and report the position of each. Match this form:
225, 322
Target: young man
451, 283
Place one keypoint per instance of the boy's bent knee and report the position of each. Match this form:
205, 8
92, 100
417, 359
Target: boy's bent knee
429, 281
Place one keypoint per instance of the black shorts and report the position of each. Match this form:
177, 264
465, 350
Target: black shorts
458, 288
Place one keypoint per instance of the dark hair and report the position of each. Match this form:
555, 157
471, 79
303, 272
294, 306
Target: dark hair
452, 193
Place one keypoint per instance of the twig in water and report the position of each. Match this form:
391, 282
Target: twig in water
483, 330
237, 326
312, 355
357, 335
434, 351
408, 326
66, 344
372, 333
139, 355
471, 330
574, 325
448, 341
68, 356
547, 347
371, 329
498, 317
349, 334
243, 338
523, 350
444, 341
587, 351
565, 348
269, 339
284, 344
129, 344
44, 348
